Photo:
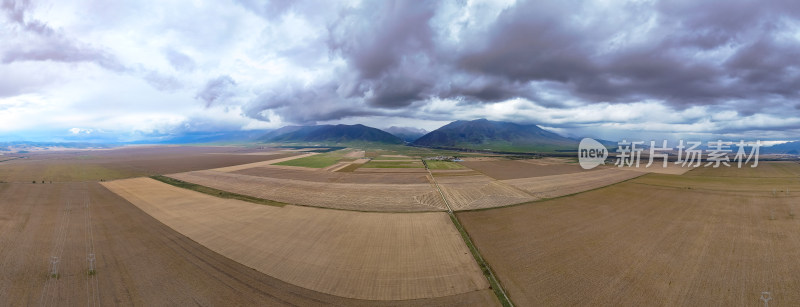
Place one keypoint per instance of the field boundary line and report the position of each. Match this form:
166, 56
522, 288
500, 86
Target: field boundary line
216, 192
494, 283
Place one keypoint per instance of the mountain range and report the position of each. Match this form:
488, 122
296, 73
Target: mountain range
478, 134
330, 134
483, 134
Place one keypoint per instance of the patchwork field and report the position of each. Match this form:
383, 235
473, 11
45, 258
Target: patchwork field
337, 176
657, 239
351, 196
374, 256
139, 260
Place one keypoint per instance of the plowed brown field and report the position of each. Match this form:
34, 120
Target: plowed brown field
655, 240
566, 184
375, 256
139, 260
125, 162
479, 191
339, 177
513, 169
350, 196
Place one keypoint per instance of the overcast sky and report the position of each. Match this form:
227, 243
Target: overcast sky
610, 69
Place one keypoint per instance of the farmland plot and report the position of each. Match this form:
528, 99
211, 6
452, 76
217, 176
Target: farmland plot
361, 197
139, 260
560, 185
374, 256
340, 177
514, 169
640, 243
125, 162
479, 191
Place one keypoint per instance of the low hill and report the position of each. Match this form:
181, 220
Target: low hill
330, 134
484, 134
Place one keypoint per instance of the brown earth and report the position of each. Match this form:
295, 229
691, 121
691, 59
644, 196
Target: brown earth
479, 191
513, 169
653, 240
381, 197
125, 162
566, 184
139, 261
375, 256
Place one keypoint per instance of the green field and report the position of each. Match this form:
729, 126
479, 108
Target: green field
317, 161
393, 164
443, 165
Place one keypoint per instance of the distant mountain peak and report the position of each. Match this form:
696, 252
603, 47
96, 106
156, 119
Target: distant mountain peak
339, 133
484, 134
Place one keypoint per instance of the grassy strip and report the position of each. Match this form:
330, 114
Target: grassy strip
493, 282
215, 192
487, 271
317, 161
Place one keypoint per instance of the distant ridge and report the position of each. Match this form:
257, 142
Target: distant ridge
330, 134
483, 134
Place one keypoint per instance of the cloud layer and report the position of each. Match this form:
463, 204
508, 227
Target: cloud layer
603, 68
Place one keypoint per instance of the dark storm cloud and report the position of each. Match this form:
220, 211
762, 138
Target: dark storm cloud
216, 90
306, 104
734, 54
389, 45
534, 41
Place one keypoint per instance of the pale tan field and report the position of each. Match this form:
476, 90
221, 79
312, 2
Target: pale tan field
350, 196
139, 260
479, 191
375, 256
560, 185
658, 239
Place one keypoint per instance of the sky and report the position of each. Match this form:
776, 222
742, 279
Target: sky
135, 70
